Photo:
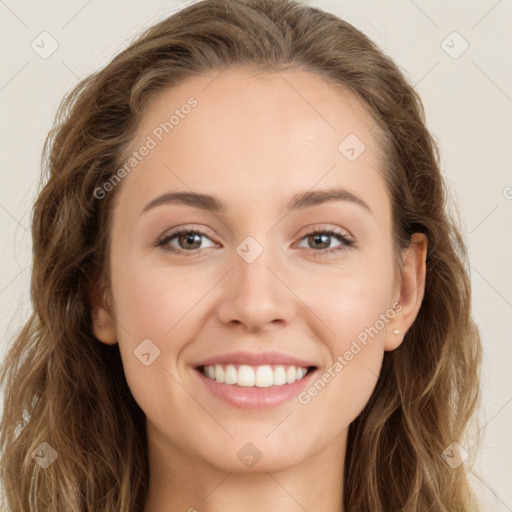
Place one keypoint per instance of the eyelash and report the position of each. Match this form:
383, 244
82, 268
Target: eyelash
346, 242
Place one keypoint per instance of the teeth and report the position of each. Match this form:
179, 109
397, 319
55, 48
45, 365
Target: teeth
254, 376
245, 376
264, 377
219, 373
230, 375
291, 374
279, 376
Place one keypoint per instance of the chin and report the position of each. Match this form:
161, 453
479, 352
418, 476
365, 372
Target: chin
259, 455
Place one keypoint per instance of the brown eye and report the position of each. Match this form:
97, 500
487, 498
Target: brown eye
189, 240
184, 241
320, 241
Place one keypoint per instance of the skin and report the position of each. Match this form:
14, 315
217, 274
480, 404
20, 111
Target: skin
253, 141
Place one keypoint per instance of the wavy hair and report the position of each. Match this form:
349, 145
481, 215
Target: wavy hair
65, 388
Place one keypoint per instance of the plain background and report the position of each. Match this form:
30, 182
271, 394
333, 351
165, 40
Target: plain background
468, 101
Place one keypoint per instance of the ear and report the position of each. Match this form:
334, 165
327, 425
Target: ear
411, 289
103, 322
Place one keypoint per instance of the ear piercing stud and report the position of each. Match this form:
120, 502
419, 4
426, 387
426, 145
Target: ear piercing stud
396, 331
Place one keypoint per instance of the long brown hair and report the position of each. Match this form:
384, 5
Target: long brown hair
65, 388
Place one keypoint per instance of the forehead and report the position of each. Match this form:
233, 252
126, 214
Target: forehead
261, 132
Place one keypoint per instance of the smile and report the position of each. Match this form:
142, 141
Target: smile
263, 376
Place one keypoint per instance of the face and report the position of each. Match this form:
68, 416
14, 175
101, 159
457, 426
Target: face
279, 276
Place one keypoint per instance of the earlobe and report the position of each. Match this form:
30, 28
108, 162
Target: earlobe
412, 289
103, 323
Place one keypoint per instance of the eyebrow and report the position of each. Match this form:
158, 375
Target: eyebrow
298, 201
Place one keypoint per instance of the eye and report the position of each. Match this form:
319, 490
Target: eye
187, 241
320, 241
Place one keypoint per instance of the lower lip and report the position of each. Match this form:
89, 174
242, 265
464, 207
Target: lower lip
254, 398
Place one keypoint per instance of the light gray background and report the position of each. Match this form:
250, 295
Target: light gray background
468, 102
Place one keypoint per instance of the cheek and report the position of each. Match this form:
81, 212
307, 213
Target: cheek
358, 320
358, 314
350, 300
159, 304
356, 309
167, 306
151, 300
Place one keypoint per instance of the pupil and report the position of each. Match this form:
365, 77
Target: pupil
319, 238
189, 238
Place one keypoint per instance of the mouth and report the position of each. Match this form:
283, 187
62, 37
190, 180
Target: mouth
255, 388
262, 376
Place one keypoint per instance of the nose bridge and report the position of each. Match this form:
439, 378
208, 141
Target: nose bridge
253, 262
255, 295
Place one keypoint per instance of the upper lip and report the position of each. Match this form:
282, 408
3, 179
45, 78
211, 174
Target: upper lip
255, 359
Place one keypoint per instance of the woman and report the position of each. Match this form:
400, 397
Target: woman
247, 291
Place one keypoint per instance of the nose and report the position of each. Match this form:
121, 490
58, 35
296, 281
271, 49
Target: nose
256, 295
